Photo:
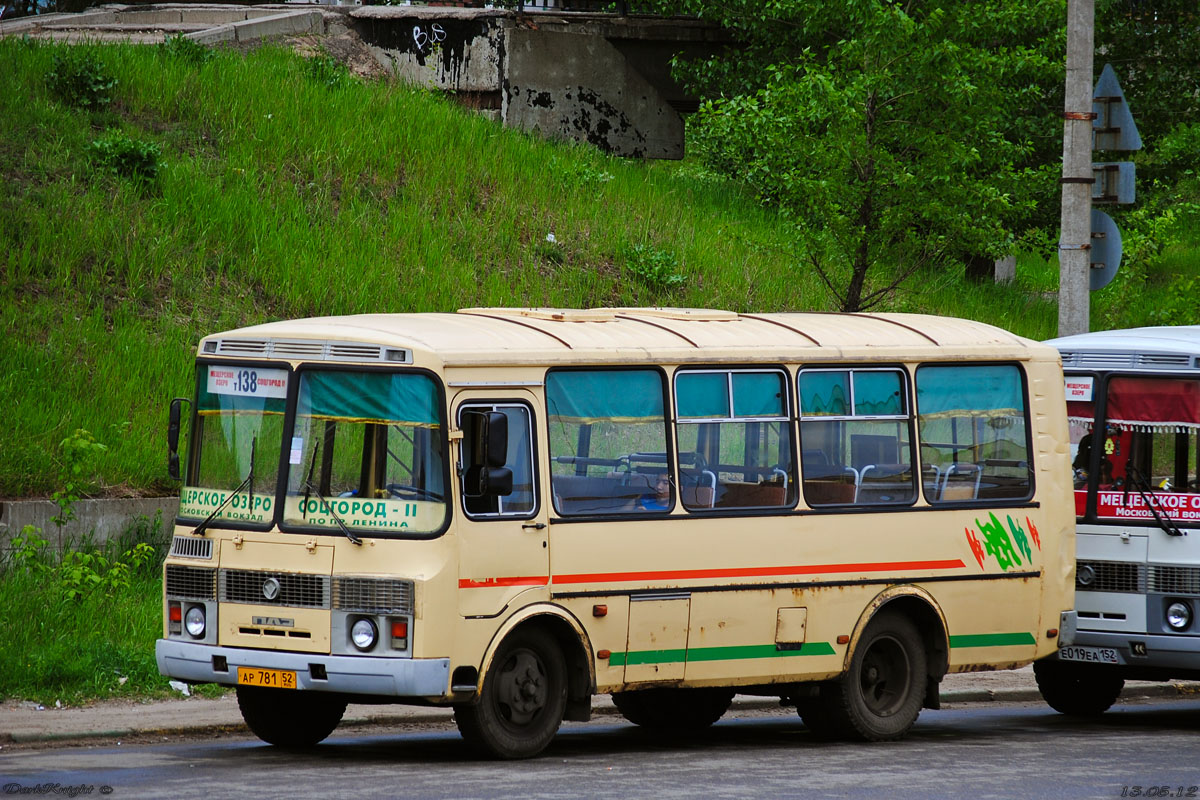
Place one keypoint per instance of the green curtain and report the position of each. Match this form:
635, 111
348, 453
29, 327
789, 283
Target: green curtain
613, 395
878, 394
702, 395
758, 394
970, 391
382, 397
825, 394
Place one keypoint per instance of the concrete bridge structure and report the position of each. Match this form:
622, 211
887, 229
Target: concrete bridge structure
598, 78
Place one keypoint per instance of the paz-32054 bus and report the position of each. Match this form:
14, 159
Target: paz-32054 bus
508, 511
1133, 400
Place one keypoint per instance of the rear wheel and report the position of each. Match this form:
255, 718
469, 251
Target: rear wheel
290, 718
1077, 690
879, 697
522, 701
673, 709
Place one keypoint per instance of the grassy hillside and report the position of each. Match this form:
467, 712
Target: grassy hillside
284, 188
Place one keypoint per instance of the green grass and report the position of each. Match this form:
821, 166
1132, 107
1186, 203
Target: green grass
281, 192
76, 627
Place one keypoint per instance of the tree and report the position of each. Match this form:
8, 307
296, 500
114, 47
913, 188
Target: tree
900, 136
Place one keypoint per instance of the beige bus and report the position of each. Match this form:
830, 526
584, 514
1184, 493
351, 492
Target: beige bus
508, 511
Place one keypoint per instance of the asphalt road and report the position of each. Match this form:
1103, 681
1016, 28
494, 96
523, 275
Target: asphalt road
974, 751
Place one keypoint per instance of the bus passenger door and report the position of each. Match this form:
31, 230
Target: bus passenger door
658, 633
503, 546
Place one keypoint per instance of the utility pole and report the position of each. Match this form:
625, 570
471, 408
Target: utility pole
1074, 245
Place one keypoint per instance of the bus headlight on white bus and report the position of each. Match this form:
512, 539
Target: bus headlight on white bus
1179, 615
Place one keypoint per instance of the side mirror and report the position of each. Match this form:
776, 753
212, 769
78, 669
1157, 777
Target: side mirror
173, 417
485, 454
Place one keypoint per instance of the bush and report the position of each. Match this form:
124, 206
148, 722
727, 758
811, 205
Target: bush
127, 157
654, 267
80, 78
184, 49
327, 71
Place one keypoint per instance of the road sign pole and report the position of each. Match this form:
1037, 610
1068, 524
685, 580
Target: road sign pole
1076, 231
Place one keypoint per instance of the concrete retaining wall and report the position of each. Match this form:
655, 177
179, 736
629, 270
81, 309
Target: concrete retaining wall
99, 519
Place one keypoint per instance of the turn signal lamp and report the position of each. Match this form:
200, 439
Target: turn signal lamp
399, 634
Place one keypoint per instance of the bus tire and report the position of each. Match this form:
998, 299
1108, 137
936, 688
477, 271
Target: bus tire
523, 698
880, 696
673, 709
1076, 690
289, 718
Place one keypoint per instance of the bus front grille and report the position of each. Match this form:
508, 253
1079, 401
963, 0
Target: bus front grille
274, 588
373, 595
1175, 580
1110, 576
193, 583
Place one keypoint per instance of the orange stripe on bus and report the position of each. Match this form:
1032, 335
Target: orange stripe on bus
755, 572
532, 580
695, 574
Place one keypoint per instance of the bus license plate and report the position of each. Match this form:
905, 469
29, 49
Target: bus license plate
1095, 655
273, 678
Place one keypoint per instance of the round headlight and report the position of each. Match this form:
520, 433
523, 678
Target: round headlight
194, 621
364, 634
1179, 616
1085, 575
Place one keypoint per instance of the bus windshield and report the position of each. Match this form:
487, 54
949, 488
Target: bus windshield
366, 453
1145, 462
235, 444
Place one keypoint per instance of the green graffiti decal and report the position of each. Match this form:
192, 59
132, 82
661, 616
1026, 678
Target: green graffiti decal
1019, 538
1007, 546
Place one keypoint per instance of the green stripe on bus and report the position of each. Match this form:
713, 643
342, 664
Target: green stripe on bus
992, 639
718, 654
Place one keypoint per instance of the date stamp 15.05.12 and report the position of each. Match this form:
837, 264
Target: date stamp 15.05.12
1160, 791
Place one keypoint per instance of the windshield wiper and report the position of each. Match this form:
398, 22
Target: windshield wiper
1140, 483
248, 482
310, 488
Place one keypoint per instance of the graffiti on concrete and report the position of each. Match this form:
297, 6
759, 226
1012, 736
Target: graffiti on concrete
428, 36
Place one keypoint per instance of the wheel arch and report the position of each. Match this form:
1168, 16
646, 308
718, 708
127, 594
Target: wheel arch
574, 643
923, 610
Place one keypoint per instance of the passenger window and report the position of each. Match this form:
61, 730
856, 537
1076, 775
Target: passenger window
973, 427
734, 448
855, 437
522, 501
608, 442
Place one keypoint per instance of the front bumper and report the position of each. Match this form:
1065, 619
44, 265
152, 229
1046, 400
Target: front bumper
383, 677
1177, 655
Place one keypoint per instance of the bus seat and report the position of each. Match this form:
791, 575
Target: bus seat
961, 482
885, 483
698, 496
826, 491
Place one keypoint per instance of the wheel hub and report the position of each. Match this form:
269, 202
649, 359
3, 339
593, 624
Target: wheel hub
522, 687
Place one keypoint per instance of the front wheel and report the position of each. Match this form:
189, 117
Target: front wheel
1077, 690
879, 697
522, 701
673, 709
289, 718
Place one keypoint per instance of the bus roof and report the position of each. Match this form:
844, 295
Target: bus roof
494, 336
1156, 348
